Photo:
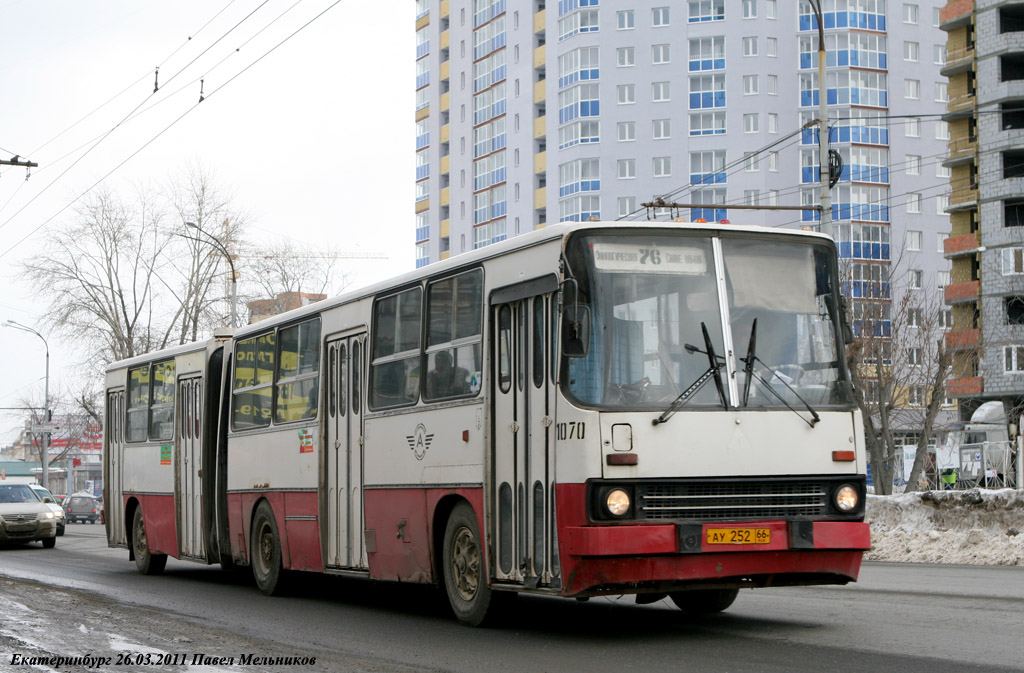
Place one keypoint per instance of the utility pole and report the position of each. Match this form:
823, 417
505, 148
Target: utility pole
44, 458
823, 160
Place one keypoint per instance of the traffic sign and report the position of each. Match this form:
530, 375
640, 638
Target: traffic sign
38, 428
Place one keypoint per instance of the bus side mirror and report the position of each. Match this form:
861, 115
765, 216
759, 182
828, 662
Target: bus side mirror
576, 328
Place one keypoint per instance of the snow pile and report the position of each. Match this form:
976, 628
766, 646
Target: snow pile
977, 527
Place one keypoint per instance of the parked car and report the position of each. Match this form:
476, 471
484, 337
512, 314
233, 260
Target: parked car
24, 517
82, 507
58, 511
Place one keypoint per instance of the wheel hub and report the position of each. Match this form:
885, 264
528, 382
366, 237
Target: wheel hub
465, 564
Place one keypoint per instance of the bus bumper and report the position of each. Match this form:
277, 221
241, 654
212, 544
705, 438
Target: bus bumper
632, 559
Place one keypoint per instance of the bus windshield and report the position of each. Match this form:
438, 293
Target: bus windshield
651, 295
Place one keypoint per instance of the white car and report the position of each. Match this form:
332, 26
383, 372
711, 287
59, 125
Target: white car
58, 511
24, 517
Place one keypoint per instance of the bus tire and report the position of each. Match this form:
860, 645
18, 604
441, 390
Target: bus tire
465, 577
147, 562
703, 601
265, 551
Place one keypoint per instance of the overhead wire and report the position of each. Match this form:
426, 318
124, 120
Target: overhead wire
165, 129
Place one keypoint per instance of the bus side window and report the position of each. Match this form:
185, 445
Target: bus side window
138, 404
454, 336
395, 363
253, 377
538, 341
504, 348
357, 377
297, 394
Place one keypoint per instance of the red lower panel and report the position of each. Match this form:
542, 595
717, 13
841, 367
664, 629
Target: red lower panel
587, 574
401, 522
161, 523
300, 539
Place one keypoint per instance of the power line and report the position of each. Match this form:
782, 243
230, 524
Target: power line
165, 129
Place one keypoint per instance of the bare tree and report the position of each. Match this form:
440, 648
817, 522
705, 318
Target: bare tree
287, 267
899, 366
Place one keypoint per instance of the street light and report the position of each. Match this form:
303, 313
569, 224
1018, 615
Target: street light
231, 263
45, 458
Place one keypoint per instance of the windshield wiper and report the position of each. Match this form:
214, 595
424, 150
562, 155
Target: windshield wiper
751, 374
712, 372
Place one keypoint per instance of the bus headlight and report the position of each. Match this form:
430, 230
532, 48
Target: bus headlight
617, 502
846, 498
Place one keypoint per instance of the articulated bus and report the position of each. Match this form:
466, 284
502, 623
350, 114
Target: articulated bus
658, 409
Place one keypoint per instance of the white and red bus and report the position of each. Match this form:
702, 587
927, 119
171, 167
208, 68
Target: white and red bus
658, 409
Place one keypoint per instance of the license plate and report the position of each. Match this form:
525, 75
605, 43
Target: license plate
739, 535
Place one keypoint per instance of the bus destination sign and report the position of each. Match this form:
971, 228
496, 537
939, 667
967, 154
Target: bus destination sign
653, 258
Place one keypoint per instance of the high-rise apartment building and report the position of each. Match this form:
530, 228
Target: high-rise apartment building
532, 112
985, 66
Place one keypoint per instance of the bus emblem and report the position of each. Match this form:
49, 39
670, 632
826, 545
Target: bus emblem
419, 441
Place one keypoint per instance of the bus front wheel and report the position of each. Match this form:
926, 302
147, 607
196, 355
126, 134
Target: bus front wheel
265, 553
704, 601
465, 578
146, 561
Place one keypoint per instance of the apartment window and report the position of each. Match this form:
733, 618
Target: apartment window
772, 47
661, 92
771, 10
941, 130
659, 17
626, 131
750, 86
773, 163
751, 162
939, 55
914, 239
1014, 310
913, 202
662, 129
943, 278
936, 16
751, 123
750, 46
773, 197
941, 204
913, 164
749, 9
707, 123
941, 92
911, 51
942, 171
909, 13
946, 318
912, 89
912, 128
914, 317
915, 279
627, 205
625, 57
1013, 261
751, 197
1013, 359
627, 169
625, 20
659, 54
773, 85
707, 53
941, 240
662, 167
915, 395
626, 94
914, 357
706, 10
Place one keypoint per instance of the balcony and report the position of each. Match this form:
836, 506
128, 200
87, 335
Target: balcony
959, 293
540, 56
961, 104
956, 14
540, 197
956, 246
540, 91
959, 59
445, 8
964, 198
963, 339
961, 150
540, 126
446, 39
972, 385
540, 162
539, 21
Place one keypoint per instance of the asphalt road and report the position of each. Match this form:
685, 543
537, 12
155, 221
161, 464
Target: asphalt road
83, 597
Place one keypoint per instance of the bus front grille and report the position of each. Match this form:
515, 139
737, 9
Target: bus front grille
721, 500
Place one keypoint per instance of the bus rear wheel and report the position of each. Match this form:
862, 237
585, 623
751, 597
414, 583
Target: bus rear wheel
265, 551
465, 578
147, 562
703, 601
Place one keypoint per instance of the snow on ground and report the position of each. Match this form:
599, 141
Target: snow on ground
975, 527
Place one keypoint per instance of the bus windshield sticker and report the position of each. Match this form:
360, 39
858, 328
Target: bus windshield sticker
165, 453
649, 258
305, 440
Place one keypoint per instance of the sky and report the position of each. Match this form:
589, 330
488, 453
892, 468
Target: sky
313, 134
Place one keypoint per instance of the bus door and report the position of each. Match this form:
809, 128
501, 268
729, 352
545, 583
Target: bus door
114, 511
343, 454
188, 467
523, 451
